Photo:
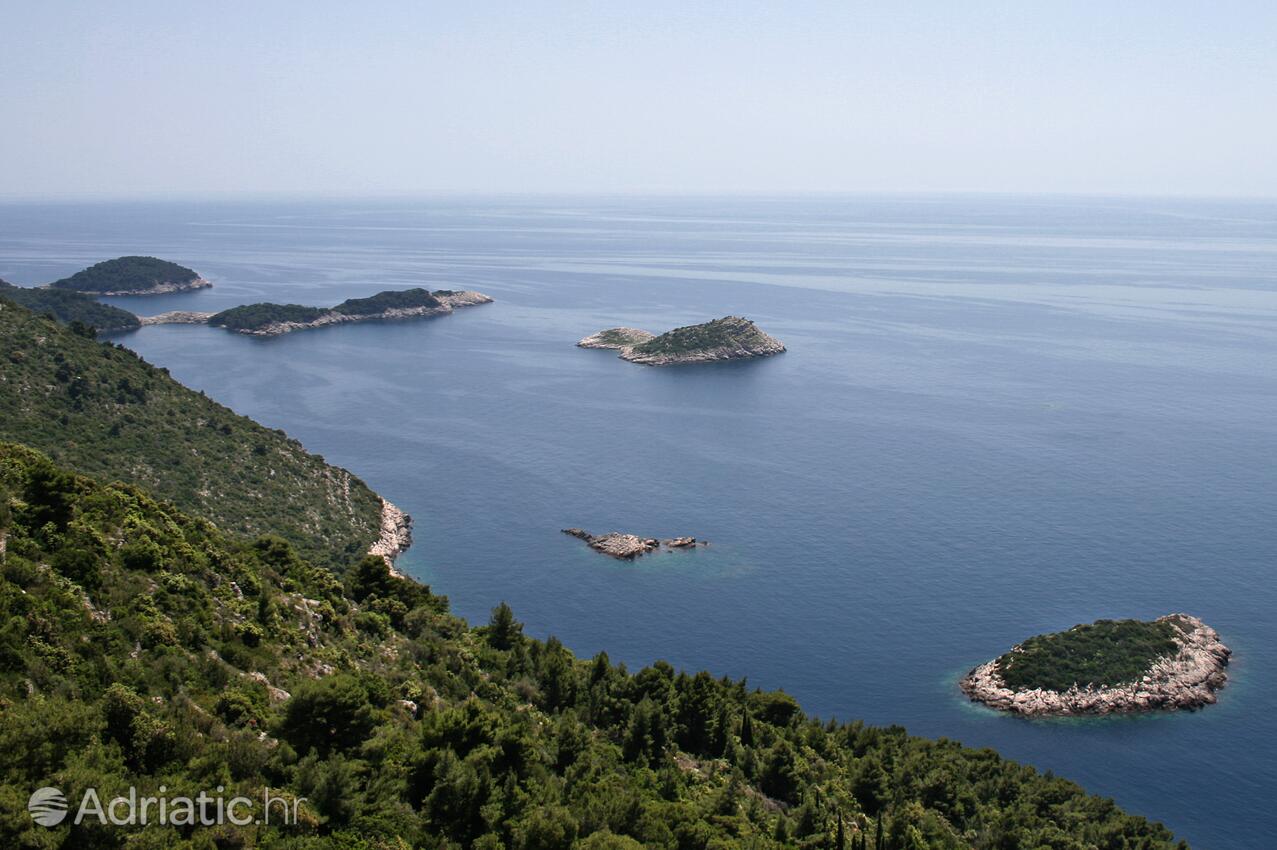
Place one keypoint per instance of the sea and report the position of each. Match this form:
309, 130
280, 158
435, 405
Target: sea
998, 416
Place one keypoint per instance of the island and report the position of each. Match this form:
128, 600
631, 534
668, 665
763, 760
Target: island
70, 307
627, 547
132, 276
728, 338
1106, 667
617, 338
274, 319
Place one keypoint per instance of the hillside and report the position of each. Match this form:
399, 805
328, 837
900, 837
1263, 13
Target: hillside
67, 307
103, 410
140, 646
132, 276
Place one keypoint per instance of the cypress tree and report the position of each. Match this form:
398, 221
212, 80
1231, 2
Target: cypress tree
878, 834
746, 730
840, 840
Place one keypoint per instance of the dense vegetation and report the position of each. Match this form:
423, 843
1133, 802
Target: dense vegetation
100, 408
127, 274
140, 646
68, 307
391, 299
1104, 653
251, 317
729, 331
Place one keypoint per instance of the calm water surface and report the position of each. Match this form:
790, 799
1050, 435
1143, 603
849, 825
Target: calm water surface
997, 417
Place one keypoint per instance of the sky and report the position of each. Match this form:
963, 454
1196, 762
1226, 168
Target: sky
309, 97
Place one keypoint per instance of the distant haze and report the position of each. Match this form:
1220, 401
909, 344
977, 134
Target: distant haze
327, 98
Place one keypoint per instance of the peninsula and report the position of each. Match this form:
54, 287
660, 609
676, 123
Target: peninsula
274, 319
1106, 667
629, 546
728, 338
132, 276
68, 307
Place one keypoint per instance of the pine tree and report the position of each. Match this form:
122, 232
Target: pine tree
503, 630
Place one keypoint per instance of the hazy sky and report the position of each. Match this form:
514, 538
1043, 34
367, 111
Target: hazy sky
126, 98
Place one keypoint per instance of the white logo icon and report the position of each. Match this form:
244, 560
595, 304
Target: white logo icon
47, 806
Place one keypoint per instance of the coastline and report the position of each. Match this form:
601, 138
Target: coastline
770, 348
1189, 680
158, 289
395, 536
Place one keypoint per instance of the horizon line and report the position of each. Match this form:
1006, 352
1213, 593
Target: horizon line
757, 194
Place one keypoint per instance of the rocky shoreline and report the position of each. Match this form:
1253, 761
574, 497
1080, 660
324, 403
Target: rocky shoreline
176, 317
166, 288
710, 355
395, 535
1188, 680
616, 338
626, 547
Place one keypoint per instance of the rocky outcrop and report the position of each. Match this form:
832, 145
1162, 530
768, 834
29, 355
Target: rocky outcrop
176, 317
454, 298
395, 536
275, 694
629, 546
728, 338
616, 338
1186, 680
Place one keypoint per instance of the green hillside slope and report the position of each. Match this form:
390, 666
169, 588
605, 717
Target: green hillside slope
103, 410
69, 307
140, 646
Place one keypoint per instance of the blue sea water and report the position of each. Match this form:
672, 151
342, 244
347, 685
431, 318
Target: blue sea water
997, 417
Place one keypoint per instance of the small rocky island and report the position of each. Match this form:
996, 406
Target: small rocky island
629, 546
267, 319
132, 276
728, 338
1106, 667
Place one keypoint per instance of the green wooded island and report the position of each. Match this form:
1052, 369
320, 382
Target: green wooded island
132, 276
190, 599
728, 338
1105, 667
267, 319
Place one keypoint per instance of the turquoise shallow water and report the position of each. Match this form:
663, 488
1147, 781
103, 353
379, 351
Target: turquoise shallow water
997, 417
